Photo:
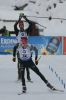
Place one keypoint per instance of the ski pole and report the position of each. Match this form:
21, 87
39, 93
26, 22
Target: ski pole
41, 25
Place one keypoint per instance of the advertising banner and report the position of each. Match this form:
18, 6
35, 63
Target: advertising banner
45, 44
64, 46
7, 44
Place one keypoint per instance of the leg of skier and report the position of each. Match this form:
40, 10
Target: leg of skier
18, 67
23, 78
28, 74
36, 70
19, 73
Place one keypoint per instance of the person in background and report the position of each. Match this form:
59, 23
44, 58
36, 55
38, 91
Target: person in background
4, 31
32, 29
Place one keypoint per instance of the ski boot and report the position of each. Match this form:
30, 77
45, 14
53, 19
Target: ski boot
50, 86
24, 89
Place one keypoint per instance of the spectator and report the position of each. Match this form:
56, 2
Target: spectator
32, 30
4, 31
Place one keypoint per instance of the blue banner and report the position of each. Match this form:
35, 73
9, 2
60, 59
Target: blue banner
45, 44
7, 44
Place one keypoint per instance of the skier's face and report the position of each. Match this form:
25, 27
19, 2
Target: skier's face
24, 42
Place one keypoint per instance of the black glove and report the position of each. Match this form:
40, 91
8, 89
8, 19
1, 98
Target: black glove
24, 17
14, 59
21, 15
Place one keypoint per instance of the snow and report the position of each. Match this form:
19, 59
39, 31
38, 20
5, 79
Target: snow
9, 86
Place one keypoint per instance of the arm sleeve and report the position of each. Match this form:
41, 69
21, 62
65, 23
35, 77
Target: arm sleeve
15, 28
29, 22
36, 51
15, 49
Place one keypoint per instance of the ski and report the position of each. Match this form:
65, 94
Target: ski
53, 88
57, 90
21, 93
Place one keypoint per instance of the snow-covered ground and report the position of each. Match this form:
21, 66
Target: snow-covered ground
10, 87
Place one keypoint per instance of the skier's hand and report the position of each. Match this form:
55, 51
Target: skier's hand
36, 61
14, 59
24, 17
21, 15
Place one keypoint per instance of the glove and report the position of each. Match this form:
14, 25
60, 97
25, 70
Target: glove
36, 61
24, 17
14, 59
21, 15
